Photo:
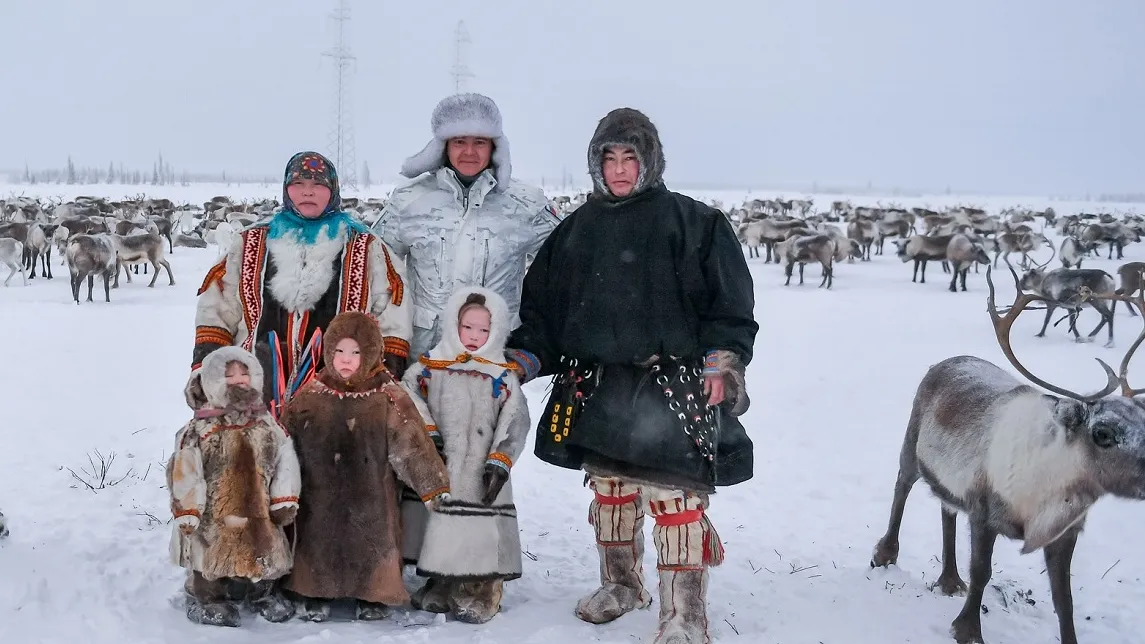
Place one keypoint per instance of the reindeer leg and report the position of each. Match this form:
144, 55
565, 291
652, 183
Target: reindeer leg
923, 280
90, 285
155, 275
1059, 555
801, 265
949, 582
964, 272
1106, 316
914, 277
106, 288
967, 627
787, 271
954, 279
33, 256
1049, 311
75, 284
11, 272
166, 265
887, 550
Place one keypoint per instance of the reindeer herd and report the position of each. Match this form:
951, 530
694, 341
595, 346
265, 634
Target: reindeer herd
99, 238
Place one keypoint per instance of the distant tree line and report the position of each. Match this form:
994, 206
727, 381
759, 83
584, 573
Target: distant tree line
161, 174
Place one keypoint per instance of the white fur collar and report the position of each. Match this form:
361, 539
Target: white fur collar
303, 272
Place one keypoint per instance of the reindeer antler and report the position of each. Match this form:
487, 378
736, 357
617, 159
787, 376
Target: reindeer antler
1123, 370
1004, 322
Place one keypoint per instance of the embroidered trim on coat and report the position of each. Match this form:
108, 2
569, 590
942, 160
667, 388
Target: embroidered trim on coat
502, 459
355, 293
397, 288
213, 335
215, 275
395, 346
251, 272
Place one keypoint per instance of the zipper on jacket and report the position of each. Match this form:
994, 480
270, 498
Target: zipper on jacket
485, 262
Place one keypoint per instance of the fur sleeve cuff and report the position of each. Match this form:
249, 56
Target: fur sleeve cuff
500, 460
280, 502
187, 517
528, 365
728, 364
432, 431
711, 363
396, 346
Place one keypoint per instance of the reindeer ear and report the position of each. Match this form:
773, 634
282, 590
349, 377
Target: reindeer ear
193, 392
1070, 414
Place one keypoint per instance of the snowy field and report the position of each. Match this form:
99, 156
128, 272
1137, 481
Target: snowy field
831, 385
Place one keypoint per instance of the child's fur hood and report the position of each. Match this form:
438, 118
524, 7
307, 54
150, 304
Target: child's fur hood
209, 382
362, 328
450, 345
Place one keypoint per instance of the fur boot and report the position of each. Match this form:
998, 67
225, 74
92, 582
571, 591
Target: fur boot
683, 606
267, 600
618, 520
209, 604
686, 546
433, 596
476, 602
315, 610
371, 611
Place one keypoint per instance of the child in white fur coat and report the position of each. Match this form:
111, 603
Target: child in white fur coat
476, 413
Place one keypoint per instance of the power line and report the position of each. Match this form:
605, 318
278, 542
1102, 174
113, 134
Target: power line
460, 71
341, 142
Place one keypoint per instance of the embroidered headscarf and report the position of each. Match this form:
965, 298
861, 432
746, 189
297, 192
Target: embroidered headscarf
314, 166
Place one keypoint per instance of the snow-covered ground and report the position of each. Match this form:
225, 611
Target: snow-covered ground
831, 384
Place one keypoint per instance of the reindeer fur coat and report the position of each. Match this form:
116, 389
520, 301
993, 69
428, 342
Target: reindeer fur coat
230, 470
354, 436
475, 402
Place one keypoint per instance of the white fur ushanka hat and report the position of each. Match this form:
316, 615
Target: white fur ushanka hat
463, 115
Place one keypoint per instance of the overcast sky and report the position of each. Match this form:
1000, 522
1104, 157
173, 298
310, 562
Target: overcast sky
1018, 96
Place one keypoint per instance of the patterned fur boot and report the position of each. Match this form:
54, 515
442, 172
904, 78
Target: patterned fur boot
476, 602
618, 520
686, 546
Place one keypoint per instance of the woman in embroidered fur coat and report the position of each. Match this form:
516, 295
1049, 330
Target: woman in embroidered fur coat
292, 273
354, 433
234, 482
471, 542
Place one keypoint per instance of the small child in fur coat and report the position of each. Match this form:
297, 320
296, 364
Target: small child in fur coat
357, 432
234, 484
473, 396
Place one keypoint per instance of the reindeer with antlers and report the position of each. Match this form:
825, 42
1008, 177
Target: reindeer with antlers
1018, 462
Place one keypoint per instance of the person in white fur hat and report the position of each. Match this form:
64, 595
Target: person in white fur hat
463, 220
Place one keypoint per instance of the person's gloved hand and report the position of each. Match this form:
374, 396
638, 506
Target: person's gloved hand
493, 480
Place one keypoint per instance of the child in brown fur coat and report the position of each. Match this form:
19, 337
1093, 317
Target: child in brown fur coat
357, 432
234, 484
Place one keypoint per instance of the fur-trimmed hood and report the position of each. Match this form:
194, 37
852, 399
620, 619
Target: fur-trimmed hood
450, 347
364, 329
463, 115
210, 380
628, 127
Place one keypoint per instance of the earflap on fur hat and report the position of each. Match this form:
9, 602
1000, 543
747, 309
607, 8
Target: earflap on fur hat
463, 115
628, 128
363, 329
